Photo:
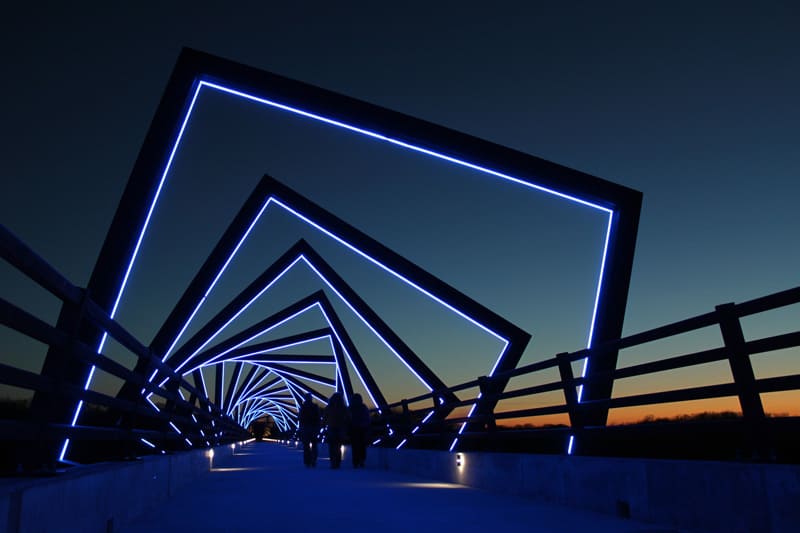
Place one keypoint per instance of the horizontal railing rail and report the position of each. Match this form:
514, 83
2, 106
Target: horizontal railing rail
407, 428
201, 421
432, 419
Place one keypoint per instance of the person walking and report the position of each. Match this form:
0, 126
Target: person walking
359, 428
336, 421
309, 429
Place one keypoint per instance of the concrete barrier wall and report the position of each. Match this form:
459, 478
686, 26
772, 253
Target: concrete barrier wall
94, 498
693, 495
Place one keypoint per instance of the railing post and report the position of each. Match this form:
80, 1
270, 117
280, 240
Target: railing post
574, 408
489, 391
132, 420
743, 376
739, 359
406, 415
63, 367
435, 398
570, 394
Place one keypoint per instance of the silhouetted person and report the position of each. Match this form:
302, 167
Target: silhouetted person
359, 427
309, 429
336, 420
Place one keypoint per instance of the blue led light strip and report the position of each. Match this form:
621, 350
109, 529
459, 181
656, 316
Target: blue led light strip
327, 319
216, 358
456, 161
251, 338
359, 252
372, 134
371, 259
298, 376
403, 144
413, 431
254, 395
134, 255
249, 387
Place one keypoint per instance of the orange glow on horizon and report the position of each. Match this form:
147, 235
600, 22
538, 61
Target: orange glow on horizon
775, 404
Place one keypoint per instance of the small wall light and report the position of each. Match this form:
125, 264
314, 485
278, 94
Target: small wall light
459, 460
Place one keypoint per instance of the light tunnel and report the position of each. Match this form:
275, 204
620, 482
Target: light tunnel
196, 353
196, 72
237, 348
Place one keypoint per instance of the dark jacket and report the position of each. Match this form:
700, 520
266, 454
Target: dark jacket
359, 416
309, 420
336, 416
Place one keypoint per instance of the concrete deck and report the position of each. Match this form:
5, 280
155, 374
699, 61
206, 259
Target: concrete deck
265, 485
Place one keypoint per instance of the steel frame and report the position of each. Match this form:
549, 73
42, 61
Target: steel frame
133, 211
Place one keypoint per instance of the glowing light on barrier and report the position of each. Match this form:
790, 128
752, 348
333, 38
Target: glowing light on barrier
464, 424
422, 423
77, 411
65, 445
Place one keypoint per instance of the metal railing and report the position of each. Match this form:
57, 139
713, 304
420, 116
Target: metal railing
133, 427
199, 422
751, 435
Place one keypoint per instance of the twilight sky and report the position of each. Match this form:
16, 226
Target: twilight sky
695, 106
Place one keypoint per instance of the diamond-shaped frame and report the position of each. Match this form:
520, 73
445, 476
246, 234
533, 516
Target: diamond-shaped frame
196, 70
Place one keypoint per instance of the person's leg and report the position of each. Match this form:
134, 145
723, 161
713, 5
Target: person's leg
357, 448
314, 451
364, 443
334, 449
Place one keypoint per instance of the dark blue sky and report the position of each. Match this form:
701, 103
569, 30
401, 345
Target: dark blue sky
694, 105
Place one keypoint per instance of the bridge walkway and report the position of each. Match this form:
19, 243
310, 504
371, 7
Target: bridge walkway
265, 486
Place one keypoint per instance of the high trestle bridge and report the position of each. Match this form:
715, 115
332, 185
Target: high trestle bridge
167, 421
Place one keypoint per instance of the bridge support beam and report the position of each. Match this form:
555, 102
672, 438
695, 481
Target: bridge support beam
145, 181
